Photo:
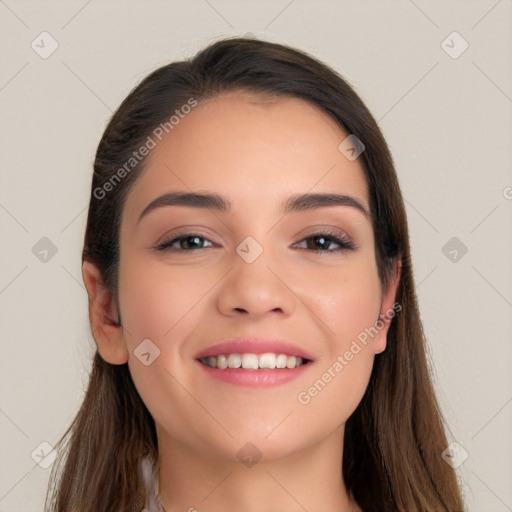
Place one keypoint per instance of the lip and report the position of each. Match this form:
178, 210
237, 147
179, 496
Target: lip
255, 346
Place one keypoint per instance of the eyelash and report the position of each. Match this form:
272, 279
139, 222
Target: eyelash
335, 236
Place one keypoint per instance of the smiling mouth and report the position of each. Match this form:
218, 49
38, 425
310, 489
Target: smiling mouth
250, 361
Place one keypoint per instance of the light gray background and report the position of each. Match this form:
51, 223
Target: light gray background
448, 123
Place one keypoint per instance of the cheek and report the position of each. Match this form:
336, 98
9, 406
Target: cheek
165, 307
349, 307
156, 303
347, 301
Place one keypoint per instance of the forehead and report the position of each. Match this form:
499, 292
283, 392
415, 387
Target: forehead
255, 149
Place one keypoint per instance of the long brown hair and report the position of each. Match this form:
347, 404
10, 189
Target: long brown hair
394, 439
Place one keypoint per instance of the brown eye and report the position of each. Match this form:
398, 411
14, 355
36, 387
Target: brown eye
186, 242
321, 242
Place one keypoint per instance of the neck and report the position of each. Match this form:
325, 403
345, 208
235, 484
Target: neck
310, 479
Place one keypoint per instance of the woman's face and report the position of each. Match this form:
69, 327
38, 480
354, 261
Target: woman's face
253, 271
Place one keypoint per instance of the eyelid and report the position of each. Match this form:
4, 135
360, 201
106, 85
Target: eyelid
346, 244
338, 236
183, 234
327, 230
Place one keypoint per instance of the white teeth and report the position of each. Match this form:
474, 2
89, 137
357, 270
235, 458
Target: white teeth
234, 361
290, 362
281, 361
222, 362
251, 361
267, 360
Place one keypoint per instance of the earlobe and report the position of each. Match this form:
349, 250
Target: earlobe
389, 307
104, 317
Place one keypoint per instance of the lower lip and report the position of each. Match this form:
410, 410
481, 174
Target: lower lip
254, 378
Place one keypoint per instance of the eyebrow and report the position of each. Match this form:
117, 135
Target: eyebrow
295, 203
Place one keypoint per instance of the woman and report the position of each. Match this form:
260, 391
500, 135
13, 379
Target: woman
252, 300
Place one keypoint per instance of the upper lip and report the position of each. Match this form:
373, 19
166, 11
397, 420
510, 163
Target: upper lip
254, 346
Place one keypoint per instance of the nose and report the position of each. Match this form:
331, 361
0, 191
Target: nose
256, 289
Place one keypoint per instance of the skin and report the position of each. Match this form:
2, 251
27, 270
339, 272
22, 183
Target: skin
257, 151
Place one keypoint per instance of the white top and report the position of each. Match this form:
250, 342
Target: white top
148, 479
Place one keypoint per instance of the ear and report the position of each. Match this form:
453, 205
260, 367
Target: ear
389, 308
103, 316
